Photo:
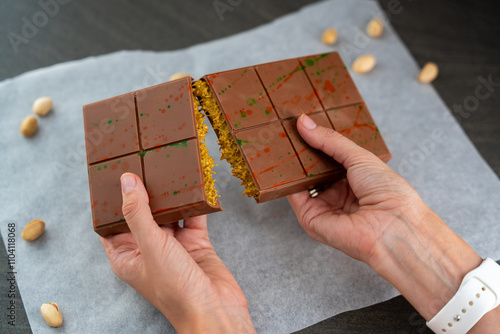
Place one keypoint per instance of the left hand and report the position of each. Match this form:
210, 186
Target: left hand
176, 269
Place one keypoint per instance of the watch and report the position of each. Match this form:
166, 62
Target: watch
478, 294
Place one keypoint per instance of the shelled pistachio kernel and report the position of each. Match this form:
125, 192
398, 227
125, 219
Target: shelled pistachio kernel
375, 28
329, 36
428, 73
33, 230
178, 76
364, 63
51, 314
29, 125
42, 105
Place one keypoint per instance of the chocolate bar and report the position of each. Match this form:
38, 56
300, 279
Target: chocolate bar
158, 134
254, 112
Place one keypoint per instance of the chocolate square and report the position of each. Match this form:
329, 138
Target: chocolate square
331, 80
356, 123
110, 128
313, 161
242, 97
173, 176
105, 188
289, 88
269, 155
165, 113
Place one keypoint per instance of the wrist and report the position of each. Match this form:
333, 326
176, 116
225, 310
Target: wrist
422, 258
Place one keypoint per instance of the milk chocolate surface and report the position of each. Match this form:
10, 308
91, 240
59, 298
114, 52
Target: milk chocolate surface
152, 133
261, 104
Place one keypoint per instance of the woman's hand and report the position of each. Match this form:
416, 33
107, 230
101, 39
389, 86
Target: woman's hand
176, 269
375, 216
354, 213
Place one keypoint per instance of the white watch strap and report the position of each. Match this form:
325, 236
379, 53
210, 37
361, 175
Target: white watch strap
478, 294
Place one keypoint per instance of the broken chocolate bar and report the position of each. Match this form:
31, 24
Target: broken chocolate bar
254, 111
158, 134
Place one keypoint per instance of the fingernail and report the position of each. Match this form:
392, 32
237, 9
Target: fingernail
307, 122
128, 182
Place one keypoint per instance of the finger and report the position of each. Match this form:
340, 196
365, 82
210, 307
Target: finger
196, 223
137, 211
340, 148
116, 241
298, 202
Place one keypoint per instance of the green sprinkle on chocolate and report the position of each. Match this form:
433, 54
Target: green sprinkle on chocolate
182, 144
241, 142
251, 101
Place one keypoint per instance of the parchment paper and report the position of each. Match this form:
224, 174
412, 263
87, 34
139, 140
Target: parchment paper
290, 281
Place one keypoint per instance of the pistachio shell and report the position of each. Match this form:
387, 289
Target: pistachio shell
29, 125
428, 73
42, 105
51, 314
178, 76
375, 28
364, 64
329, 36
33, 230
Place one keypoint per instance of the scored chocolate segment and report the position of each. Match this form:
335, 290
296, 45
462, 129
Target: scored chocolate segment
313, 161
110, 128
356, 123
165, 113
105, 189
331, 80
289, 88
173, 177
242, 97
270, 155
173, 173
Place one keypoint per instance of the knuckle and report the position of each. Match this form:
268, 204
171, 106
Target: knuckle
131, 207
328, 136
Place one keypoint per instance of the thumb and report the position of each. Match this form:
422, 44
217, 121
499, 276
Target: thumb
332, 143
136, 210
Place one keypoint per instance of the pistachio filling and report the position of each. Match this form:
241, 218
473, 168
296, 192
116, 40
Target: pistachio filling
227, 146
207, 162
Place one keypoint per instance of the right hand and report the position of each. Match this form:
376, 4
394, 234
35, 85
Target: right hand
375, 216
354, 213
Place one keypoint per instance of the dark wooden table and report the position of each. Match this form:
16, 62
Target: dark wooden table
460, 36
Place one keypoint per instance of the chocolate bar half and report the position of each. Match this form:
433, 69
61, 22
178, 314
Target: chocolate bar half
254, 112
158, 134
